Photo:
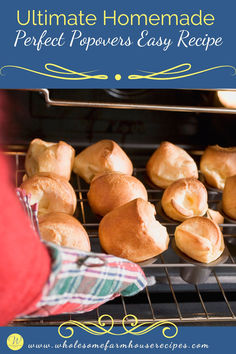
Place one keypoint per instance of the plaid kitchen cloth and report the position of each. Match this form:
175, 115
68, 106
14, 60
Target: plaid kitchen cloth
81, 281
31, 210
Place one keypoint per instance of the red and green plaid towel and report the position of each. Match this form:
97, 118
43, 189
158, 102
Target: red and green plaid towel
82, 281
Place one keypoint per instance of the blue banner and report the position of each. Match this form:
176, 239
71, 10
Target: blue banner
125, 44
208, 340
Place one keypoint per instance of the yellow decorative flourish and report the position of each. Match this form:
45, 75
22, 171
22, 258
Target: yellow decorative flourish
177, 72
63, 73
134, 329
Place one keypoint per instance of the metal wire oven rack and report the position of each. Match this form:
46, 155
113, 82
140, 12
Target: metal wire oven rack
167, 297
134, 106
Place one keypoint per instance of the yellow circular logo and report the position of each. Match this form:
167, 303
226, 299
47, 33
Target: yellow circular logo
15, 341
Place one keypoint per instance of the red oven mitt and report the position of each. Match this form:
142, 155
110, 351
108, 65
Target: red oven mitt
81, 281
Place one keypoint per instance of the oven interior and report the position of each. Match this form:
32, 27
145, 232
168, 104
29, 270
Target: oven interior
138, 120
